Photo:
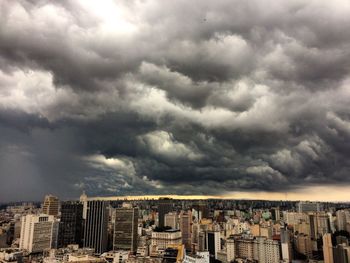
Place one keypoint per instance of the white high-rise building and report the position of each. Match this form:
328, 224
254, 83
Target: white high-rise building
230, 249
37, 232
286, 246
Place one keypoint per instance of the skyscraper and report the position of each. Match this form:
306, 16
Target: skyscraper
185, 227
230, 249
165, 206
286, 246
213, 244
71, 225
51, 205
327, 248
96, 226
37, 232
125, 229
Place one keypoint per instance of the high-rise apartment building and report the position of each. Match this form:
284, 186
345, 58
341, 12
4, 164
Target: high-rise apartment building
71, 228
51, 205
165, 206
343, 217
266, 250
96, 226
125, 229
303, 244
244, 248
327, 248
37, 232
286, 246
230, 249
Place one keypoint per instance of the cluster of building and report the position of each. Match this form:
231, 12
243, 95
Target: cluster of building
167, 230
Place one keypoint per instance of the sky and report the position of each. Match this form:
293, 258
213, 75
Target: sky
141, 97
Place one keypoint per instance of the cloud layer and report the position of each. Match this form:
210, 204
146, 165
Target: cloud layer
164, 97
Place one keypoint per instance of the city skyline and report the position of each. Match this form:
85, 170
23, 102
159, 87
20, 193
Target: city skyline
228, 99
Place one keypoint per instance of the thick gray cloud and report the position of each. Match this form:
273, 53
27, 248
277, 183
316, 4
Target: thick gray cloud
185, 97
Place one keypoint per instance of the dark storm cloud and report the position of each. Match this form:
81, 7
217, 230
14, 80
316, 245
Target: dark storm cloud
147, 97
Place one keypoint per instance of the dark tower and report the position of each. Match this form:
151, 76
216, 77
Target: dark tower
165, 206
96, 226
125, 229
71, 228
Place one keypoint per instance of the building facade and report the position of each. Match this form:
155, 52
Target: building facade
125, 229
96, 226
71, 227
37, 233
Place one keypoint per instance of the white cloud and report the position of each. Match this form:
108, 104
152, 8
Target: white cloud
163, 144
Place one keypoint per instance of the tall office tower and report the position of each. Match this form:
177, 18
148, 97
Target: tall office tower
306, 207
213, 244
171, 219
327, 248
165, 205
37, 232
266, 250
185, 227
96, 226
71, 228
125, 229
51, 205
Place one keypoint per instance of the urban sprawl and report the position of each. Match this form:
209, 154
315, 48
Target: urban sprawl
170, 230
